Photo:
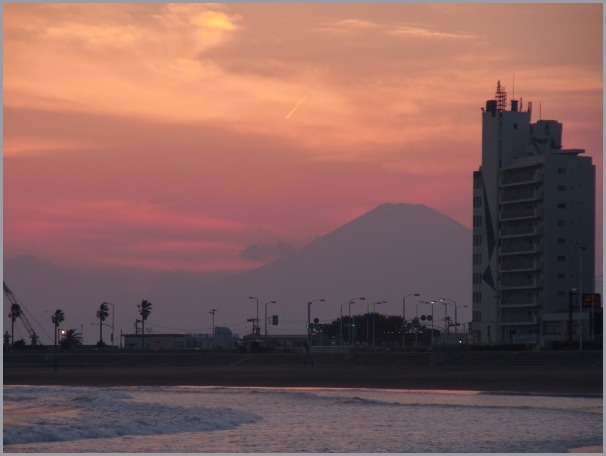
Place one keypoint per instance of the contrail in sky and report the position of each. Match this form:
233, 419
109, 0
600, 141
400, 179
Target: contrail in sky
292, 111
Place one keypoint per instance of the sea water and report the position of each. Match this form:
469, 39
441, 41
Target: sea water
59, 419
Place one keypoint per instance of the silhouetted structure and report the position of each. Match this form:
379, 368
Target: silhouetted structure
533, 230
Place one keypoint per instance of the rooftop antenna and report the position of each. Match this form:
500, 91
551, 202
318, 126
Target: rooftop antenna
513, 86
501, 97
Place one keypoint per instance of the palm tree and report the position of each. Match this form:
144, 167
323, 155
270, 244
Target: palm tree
57, 318
13, 315
102, 314
144, 310
71, 339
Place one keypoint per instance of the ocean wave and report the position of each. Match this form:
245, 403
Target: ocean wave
88, 413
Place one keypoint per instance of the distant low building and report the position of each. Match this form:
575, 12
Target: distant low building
223, 338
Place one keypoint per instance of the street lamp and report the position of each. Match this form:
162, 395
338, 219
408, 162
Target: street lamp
452, 301
268, 302
309, 319
417, 322
341, 321
432, 303
113, 320
212, 312
350, 323
404, 314
256, 321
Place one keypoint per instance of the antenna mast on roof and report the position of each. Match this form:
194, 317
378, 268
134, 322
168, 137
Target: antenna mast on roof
501, 97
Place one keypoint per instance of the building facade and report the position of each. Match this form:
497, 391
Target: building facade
223, 338
533, 230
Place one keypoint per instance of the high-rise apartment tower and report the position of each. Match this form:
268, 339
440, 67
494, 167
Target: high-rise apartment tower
533, 231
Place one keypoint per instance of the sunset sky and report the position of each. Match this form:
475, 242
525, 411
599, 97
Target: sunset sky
174, 136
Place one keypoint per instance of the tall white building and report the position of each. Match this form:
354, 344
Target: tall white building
533, 231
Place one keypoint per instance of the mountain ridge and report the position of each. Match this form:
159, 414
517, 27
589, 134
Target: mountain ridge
386, 253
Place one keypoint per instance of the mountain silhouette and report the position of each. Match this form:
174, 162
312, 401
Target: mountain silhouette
387, 253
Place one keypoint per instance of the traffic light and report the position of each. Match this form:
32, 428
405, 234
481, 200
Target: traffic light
274, 319
308, 325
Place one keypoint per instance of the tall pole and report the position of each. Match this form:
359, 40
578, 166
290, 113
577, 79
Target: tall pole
404, 315
350, 323
432, 325
113, 321
268, 302
309, 319
255, 328
350, 302
417, 317
212, 312
455, 314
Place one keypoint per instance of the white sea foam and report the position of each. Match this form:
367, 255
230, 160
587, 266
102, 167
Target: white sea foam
64, 414
226, 420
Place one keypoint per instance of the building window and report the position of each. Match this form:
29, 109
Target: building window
477, 239
476, 316
561, 188
477, 278
561, 241
477, 258
561, 258
561, 223
561, 276
476, 297
561, 170
477, 201
561, 205
477, 221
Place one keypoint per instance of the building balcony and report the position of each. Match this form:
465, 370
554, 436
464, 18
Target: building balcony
512, 179
514, 322
516, 213
520, 197
518, 300
523, 231
520, 249
519, 266
519, 284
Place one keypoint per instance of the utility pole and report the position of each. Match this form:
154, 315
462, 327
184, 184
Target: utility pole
212, 312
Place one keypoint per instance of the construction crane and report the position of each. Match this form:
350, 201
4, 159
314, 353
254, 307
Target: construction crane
17, 310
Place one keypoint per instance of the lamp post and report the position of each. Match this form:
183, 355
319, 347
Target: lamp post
350, 323
351, 301
113, 321
256, 321
432, 303
404, 315
417, 318
309, 319
268, 302
212, 312
443, 301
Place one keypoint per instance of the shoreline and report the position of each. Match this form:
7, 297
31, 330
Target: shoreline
395, 371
